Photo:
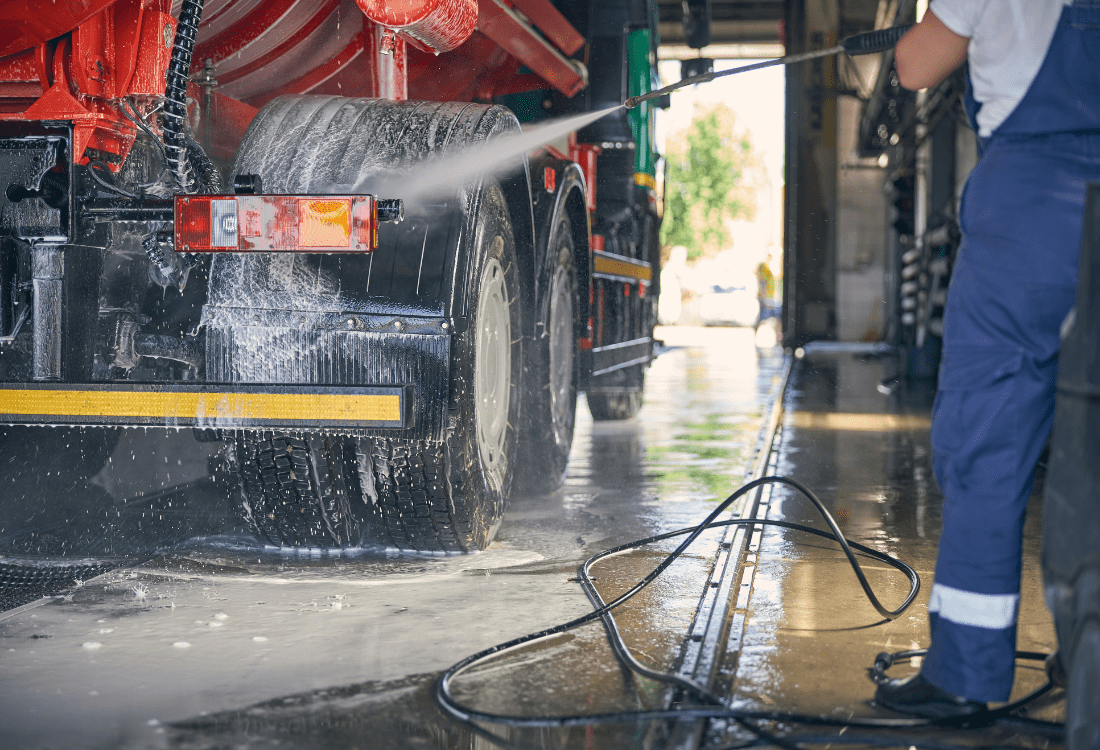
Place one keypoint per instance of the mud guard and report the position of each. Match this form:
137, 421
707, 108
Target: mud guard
568, 197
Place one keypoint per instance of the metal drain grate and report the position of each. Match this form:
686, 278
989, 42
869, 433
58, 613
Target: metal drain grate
25, 582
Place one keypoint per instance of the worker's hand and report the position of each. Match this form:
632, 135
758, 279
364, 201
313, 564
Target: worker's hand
929, 53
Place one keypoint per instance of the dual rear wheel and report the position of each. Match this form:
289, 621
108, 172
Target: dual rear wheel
512, 396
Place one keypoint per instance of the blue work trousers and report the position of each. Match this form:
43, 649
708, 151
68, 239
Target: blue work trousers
1013, 284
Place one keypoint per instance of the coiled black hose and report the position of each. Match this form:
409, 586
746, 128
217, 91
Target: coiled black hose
713, 706
175, 93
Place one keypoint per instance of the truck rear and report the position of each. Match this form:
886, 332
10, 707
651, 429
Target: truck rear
207, 222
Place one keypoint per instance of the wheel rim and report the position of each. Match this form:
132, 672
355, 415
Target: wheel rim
493, 363
561, 354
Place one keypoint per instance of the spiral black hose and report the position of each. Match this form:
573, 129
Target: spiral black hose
175, 93
202, 168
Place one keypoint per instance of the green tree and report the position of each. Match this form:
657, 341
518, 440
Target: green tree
712, 174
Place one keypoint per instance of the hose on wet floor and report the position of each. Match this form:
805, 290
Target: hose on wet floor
716, 707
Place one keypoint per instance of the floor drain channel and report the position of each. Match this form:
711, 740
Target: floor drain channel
24, 582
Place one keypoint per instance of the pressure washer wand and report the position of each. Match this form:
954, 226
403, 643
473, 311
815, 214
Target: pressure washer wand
857, 44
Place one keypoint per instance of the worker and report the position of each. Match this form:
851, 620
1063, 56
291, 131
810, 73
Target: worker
766, 290
1034, 99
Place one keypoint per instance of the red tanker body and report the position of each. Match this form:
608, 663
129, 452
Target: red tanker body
102, 50
376, 363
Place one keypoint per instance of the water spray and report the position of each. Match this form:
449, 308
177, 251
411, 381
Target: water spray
866, 43
443, 172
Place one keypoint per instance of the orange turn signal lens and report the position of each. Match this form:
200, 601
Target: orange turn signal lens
324, 223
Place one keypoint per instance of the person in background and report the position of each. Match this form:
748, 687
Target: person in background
1034, 99
766, 290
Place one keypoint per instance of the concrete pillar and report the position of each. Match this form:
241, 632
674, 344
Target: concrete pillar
809, 294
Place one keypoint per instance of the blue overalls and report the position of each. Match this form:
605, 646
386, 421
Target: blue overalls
1013, 284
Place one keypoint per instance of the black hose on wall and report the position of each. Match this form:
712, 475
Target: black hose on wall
175, 93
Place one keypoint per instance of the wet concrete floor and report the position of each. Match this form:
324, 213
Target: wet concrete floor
859, 439
211, 641
202, 639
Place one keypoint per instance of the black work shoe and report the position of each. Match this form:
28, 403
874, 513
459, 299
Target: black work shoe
919, 697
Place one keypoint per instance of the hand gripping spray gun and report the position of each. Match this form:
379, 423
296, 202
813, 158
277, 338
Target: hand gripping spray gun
859, 44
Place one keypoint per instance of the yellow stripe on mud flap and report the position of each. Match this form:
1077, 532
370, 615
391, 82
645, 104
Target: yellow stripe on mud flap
645, 180
227, 407
619, 266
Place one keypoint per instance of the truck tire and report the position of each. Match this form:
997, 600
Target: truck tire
450, 497
315, 490
550, 377
1082, 698
440, 489
295, 489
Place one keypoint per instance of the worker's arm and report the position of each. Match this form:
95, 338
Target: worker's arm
928, 53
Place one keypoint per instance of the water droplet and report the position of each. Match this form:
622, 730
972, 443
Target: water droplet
91, 645
181, 644
257, 638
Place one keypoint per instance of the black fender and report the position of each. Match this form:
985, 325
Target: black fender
568, 197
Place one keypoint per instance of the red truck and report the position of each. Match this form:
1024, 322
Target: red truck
204, 224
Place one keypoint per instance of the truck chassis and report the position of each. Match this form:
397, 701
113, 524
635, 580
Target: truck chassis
379, 370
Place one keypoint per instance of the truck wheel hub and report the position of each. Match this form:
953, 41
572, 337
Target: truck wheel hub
493, 367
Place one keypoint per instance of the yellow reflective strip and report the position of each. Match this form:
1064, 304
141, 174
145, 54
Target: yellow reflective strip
645, 180
615, 267
203, 406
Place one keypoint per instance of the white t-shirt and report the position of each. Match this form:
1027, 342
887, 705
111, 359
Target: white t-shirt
1008, 43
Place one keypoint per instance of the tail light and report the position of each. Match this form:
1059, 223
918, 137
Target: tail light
281, 223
